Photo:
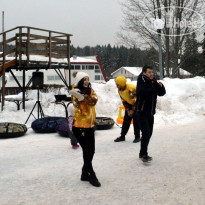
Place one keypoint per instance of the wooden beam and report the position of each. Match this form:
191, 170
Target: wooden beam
56, 55
50, 50
16, 56
11, 51
8, 64
8, 40
68, 58
59, 48
44, 53
59, 40
56, 43
11, 39
3, 72
38, 37
20, 47
39, 29
35, 45
28, 48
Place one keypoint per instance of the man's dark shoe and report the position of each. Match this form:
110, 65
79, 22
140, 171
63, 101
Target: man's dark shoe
119, 139
136, 140
145, 158
85, 176
94, 181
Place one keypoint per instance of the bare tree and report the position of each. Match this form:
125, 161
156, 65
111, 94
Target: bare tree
175, 13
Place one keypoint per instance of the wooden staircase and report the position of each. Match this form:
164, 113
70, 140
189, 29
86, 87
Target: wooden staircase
7, 65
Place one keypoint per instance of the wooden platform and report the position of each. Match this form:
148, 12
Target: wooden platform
51, 47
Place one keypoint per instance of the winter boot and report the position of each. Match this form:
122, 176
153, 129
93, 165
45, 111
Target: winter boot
120, 139
145, 158
137, 139
94, 181
85, 176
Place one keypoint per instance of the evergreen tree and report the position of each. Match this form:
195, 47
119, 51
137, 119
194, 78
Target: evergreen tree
190, 59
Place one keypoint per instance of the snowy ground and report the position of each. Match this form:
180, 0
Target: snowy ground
43, 169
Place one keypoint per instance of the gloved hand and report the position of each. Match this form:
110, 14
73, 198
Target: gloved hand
76, 93
130, 113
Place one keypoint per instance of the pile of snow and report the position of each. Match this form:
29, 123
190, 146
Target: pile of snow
184, 102
16, 97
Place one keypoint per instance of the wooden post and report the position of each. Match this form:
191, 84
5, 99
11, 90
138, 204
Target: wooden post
17, 47
3, 72
50, 49
20, 46
28, 47
68, 58
24, 89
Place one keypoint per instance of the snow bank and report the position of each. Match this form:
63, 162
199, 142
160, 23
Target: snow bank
184, 102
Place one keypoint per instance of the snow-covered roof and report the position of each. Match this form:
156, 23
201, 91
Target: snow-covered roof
184, 72
134, 70
77, 59
181, 71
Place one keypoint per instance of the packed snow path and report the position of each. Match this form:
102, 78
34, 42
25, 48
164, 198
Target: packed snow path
42, 169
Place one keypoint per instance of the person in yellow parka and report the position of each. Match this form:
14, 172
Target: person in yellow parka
84, 100
127, 94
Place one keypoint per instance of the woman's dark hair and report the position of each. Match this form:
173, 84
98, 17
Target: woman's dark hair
144, 69
80, 85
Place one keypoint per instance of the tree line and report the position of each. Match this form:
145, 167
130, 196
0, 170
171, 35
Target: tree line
114, 57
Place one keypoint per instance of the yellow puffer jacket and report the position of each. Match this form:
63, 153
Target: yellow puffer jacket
128, 96
84, 114
127, 93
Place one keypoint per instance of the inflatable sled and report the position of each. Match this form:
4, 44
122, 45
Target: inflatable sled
65, 128
47, 124
104, 123
11, 130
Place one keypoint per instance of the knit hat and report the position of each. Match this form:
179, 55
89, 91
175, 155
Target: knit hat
79, 76
121, 81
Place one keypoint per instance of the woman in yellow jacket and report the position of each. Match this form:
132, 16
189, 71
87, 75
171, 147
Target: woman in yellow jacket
84, 100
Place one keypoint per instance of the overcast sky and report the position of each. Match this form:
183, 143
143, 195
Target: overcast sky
91, 22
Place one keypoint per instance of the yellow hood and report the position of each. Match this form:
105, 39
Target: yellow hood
121, 81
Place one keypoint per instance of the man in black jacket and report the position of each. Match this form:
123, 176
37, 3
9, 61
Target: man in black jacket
147, 91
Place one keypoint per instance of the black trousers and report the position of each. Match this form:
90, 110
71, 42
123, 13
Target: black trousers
146, 126
127, 122
86, 139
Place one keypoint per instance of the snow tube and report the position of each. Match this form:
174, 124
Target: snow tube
47, 124
104, 123
11, 130
65, 128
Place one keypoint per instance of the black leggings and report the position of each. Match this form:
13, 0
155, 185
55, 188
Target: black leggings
86, 139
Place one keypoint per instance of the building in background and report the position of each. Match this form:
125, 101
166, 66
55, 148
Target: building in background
133, 73
129, 72
88, 64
